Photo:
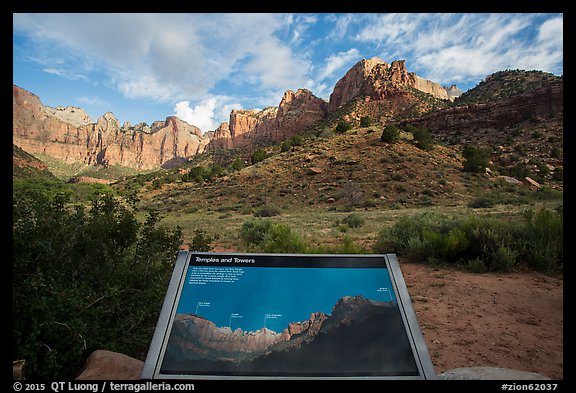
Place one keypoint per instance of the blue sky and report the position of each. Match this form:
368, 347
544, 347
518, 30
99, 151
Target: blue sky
283, 294
145, 67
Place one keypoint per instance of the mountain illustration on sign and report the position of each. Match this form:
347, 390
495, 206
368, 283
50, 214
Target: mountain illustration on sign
360, 337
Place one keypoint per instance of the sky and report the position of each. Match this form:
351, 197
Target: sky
276, 296
146, 67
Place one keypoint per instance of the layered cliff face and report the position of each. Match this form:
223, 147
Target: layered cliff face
296, 111
543, 103
67, 134
379, 80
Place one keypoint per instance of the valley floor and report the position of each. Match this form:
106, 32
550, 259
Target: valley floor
510, 320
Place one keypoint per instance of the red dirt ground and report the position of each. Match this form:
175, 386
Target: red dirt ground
511, 320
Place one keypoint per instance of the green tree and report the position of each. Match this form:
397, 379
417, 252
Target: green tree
258, 155
391, 134
84, 279
237, 164
365, 121
422, 137
475, 159
343, 126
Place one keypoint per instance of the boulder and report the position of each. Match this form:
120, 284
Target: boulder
108, 365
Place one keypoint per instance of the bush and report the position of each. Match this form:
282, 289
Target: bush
268, 236
475, 159
342, 127
267, 211
391, 134
353, 220
258, 155
84, 279
253, 231
422, 137
537, 241
365, 121
285, 146
237, 164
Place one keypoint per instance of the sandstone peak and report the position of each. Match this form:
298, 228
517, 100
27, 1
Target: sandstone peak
70, 114
379, 80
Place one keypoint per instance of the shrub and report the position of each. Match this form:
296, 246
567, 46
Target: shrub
342, 127
268, 236
500, 245
258, 155
237, 164
267, 211
84, 279
253, 231
353, 220
285, 146
281, 239
391, 134
422, 138
475, 159
365, 121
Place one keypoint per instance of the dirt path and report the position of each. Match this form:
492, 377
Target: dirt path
512, 320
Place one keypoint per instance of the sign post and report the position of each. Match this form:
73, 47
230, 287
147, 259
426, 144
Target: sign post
296, 316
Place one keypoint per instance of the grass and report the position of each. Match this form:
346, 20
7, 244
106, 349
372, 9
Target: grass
317, 226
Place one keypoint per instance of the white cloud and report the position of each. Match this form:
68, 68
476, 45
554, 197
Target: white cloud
459, 47
335, 62
167, 57
208, 114
92, 101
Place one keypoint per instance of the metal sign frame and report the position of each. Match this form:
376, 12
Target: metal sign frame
157, 350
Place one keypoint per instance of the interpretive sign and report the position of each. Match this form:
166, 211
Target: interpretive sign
236, 315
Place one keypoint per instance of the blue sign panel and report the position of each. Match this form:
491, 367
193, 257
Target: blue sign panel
287, 316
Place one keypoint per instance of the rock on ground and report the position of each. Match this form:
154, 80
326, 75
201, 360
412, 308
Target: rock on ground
108, 365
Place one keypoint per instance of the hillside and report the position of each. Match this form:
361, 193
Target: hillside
25, 165
506, 84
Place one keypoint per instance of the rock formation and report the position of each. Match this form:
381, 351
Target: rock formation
296, 111
453, 92
543, 103
379, 80
67, 134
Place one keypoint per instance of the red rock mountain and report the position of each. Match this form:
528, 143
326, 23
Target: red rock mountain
379, 80
295, 112
38, 129
68, 134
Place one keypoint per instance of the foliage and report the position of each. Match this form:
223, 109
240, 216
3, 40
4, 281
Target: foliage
237, 164
258, 155
296, 140
342, 126
202, 242
353, 220
365, 121
422, 137
500, 246
267, 236
267, 211
475, 159
84, 279
391, 134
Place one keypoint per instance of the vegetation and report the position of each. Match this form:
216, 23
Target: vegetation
391, 134
258, 155
493, 245
85, 278
422, 137
475, 159
342, 127
365, 121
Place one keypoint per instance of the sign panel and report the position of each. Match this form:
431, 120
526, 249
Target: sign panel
229, 316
